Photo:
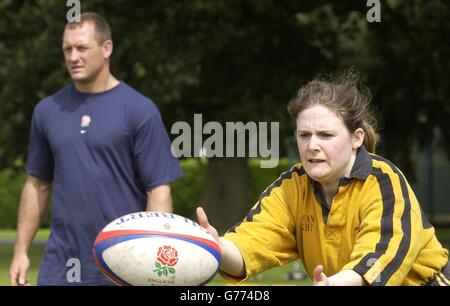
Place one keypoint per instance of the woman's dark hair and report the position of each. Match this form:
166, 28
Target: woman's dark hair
346, 97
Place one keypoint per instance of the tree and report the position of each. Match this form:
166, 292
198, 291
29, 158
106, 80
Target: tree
406, 58
246, 60
30, 68
233, 60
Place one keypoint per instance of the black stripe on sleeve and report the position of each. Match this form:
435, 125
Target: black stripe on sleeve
425, 223
388, 199
277, 183
390, 269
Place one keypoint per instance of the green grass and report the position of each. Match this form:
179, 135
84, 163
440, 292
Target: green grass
41, 235
6, 251
35, 254
275, 276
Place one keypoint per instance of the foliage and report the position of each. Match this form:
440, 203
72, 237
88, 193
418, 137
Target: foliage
10, 188
260, 179
234, 60
30, 68
406, 60
186, 192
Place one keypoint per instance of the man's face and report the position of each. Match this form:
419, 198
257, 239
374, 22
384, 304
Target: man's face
85, 58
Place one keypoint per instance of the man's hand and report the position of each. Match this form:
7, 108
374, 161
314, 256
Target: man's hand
18, 270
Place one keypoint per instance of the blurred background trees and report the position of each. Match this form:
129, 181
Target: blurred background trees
233, 60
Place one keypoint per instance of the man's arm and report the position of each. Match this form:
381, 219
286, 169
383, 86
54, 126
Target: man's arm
159, 199
32, 209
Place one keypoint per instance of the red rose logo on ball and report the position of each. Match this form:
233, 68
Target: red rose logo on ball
167, 255
167, 258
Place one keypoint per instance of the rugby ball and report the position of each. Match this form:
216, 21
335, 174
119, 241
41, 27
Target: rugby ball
156, 249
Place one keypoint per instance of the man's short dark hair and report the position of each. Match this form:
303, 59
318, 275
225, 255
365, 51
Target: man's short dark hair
102, 28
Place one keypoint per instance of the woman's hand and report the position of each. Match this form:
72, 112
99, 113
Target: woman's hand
342, 278
232, 262
319, 278
203, 221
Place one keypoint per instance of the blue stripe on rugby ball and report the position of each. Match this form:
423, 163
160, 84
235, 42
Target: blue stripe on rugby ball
99, 249
105, 244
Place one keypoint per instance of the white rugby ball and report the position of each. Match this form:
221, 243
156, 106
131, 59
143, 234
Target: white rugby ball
156, 249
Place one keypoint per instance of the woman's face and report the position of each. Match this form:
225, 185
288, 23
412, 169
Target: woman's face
327, 149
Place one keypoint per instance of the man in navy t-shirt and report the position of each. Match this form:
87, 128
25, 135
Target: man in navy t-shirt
101, 150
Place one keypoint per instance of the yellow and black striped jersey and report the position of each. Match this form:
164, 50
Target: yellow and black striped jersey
373, 226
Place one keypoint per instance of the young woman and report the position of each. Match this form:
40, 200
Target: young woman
348, 214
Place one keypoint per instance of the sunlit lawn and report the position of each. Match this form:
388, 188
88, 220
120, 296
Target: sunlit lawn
35, 254
275, 276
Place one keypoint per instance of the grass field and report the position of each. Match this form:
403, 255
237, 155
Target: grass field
275, 276
35, 254
41, 235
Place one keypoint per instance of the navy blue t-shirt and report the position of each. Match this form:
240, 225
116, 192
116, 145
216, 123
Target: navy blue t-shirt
102, 152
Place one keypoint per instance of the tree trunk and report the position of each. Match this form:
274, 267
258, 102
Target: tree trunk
226, 198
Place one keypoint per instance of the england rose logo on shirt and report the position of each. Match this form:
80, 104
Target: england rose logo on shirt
85, 121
